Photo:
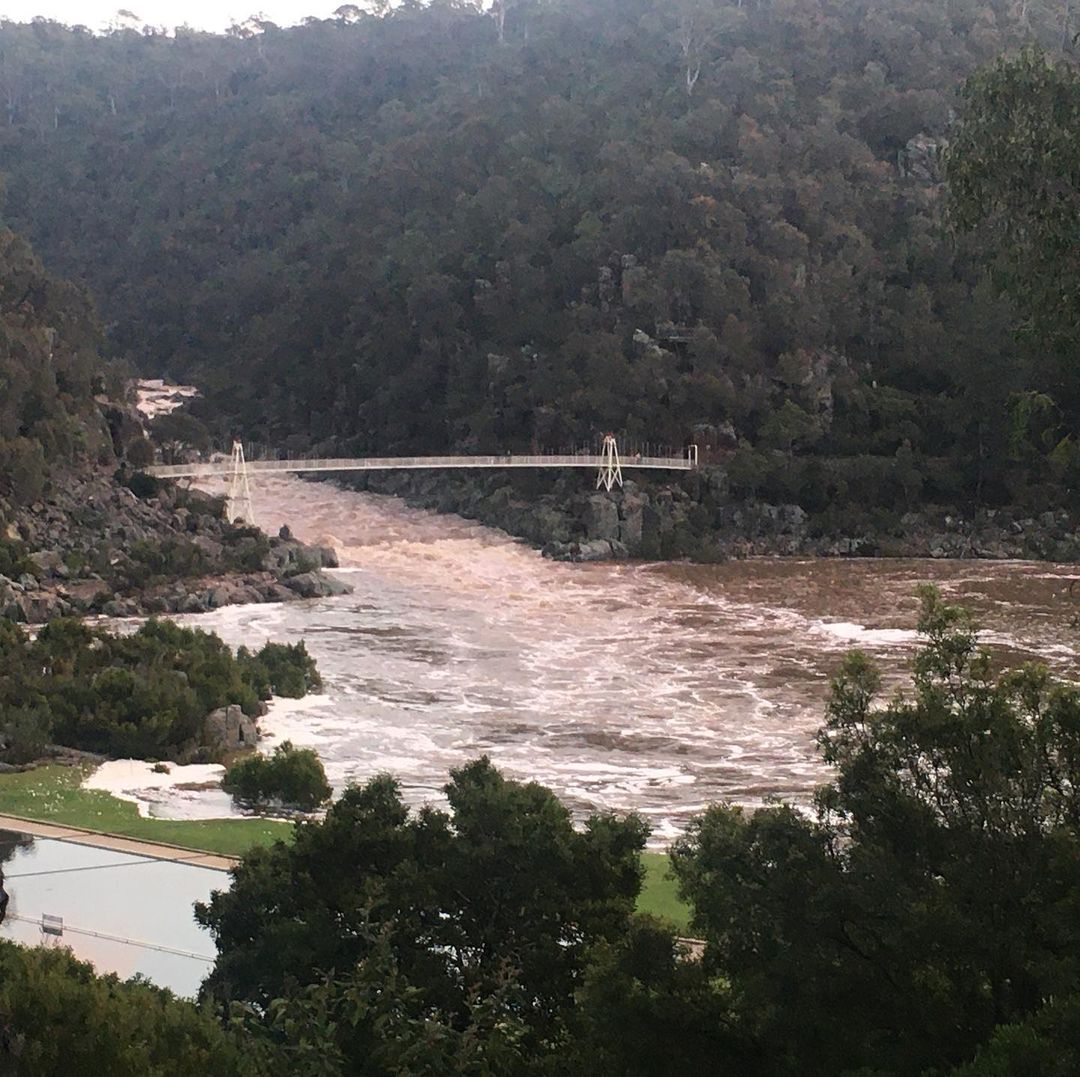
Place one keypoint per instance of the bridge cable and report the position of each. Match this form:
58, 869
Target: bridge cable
120, 938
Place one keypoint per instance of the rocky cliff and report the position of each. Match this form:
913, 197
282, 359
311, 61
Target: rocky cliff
92, 545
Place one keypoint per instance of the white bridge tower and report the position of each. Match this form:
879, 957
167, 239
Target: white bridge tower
610, 472
238, 499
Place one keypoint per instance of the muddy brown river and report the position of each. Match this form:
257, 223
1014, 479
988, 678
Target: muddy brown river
654, 687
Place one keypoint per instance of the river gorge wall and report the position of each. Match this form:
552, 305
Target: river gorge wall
92, 545
696, 518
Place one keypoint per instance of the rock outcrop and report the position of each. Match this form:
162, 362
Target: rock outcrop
94, 546
229, 729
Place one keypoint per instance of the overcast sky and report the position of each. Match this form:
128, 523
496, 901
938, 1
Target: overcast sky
201, 14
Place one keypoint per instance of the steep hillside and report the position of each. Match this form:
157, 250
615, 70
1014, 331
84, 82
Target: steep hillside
80, 531
443, 228
50, 369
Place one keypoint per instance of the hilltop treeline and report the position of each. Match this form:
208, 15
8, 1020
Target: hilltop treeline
443, 228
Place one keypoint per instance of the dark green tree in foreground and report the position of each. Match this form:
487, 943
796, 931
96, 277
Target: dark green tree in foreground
393, 940
935, 895
58, 1018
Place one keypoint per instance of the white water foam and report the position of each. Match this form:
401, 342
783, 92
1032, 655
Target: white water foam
656, 688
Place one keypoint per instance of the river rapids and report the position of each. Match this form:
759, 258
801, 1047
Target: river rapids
658, 688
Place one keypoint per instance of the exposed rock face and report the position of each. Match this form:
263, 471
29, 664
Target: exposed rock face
230, 729
316, 585
95, 547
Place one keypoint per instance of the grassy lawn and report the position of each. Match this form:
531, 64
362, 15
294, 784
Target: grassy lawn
658, 893
53, 795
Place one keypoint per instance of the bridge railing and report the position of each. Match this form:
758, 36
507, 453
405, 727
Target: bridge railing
391, 463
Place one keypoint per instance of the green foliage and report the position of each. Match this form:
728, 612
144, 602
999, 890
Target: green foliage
57, 1017
471, 925
48, 374
13, 559
139, 453
291, 776
1014, 173
141, 484
282, 669
933, 897
143, 695
464, 254
647, 1011
177, 432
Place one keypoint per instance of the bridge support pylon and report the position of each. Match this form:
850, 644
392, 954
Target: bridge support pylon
238, 500
610, 471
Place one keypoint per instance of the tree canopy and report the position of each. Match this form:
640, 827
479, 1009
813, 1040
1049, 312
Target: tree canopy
408, 932
145, 695
439, 228
932, 897
57, 1017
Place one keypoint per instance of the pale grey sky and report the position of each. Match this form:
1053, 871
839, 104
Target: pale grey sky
201, 14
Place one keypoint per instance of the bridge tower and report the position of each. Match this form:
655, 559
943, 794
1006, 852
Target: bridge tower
610, 471
238, 499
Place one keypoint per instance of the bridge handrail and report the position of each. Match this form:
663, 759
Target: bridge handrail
380, 463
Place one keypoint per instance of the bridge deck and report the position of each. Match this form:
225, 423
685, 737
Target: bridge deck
392, 463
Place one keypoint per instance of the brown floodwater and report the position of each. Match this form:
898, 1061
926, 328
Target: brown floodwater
654, 687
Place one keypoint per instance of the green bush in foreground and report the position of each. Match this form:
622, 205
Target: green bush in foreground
291, 776
58, 1018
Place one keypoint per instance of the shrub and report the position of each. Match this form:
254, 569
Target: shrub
288, 669
13, 559
292, 776
142, 485
145, 694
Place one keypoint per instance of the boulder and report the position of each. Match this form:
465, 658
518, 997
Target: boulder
602, 517
49, 563
596, 550
9, 599
85, 594
37, 607
229, 728
316, 585
632, 512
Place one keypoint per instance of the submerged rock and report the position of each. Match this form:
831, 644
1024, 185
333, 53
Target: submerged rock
316, 585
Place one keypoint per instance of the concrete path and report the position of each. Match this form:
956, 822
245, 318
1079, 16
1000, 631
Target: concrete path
101, 840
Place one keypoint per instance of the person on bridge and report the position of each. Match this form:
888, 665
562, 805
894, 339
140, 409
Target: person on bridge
3, 898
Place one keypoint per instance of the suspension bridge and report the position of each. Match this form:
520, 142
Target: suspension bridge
239, 471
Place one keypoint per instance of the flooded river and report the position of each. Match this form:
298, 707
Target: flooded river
654, 687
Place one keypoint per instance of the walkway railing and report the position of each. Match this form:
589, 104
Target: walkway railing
391, 463
609, 468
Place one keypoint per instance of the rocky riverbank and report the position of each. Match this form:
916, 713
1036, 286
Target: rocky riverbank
697, 519
93, 545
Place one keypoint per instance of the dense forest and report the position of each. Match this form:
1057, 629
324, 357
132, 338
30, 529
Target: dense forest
50, 371
438, 227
